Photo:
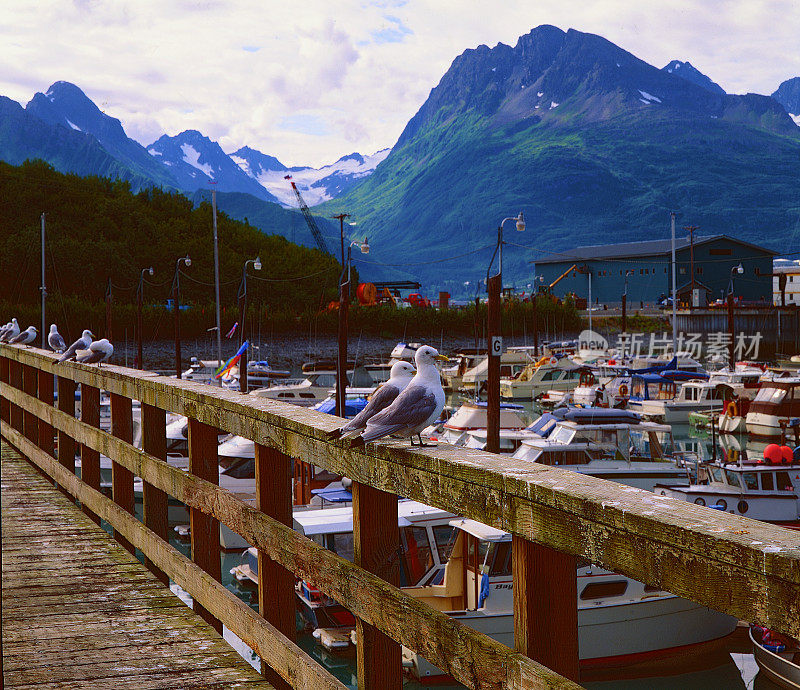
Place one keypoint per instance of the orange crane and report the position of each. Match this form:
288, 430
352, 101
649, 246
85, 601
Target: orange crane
312, 224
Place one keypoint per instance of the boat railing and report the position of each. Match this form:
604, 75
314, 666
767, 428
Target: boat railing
735, 565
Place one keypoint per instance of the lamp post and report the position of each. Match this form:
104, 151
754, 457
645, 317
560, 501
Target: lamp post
735, 270
494, 286
344, 306
139, 299
176, 291
242, 320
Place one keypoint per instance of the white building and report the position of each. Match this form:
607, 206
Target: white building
791, 269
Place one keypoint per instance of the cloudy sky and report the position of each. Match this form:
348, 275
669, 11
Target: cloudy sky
311, 81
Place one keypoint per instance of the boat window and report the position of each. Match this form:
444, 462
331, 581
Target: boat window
340, 544
307, 395
601, 590
285, 395
783, 482
241, 469
766, 481
550, 375
445, 538
750, 480
325, 380
417, 556
770, 395
733, 478
501, 561
483, 547
716, 474
562, 434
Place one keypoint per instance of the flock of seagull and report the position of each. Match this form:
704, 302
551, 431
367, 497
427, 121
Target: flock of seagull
409, 401
91, 351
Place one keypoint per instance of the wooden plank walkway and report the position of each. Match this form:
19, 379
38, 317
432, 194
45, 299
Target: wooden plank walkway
78, 611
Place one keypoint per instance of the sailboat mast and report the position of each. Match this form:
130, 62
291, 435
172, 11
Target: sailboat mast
43, 288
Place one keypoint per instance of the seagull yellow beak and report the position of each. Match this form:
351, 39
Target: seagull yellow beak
442, 358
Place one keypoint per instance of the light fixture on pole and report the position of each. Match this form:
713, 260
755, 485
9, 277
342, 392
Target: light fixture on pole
494, 286
735, 270
176, 291
256, 263
139, 299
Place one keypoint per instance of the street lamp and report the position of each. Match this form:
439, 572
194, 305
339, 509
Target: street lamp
139, 298
494, 286
735, 270
176, 291
344, 306
242, 320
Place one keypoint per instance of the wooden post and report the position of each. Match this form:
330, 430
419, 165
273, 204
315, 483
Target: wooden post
90, 459
276, 598
341, 360
30, 386
66, 403
46, 395
154, 501
493, 381
15, 381
546, 606
5, 408
121, 477
376, 548
203, 463
624, 315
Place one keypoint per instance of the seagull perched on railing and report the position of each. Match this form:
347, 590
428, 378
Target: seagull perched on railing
11, 331
400, 376
81, 343
25, 338
5, 327
419, 405
99, 351
54, 340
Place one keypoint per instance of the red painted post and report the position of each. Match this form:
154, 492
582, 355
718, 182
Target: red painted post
30, 386
5, 408
90, 459
46, 395
66, 403
121, 477
495, 337
154, 501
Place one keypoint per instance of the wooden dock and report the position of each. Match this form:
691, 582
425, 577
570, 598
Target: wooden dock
79, 611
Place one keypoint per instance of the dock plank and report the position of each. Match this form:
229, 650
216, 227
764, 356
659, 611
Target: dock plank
80, 611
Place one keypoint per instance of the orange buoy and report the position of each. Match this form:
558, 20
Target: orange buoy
773, 453
786, 455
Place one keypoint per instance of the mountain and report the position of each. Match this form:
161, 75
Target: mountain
196, 162
315, 184
788, 95
65, 105
593, 144
687, 71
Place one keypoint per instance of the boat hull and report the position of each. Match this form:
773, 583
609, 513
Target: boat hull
778, 668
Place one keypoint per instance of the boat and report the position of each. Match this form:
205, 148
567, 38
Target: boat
205, 371
745, 379
658, 397
776, 404
777, 656
616, 445
512, 362
546, 374
260, 374
306, 392
472, 416
767, 489
620, 621
464, 361
596, 390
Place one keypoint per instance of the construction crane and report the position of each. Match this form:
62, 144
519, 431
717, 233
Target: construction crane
312, 224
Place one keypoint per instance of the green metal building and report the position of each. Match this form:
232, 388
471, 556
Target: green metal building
646, 268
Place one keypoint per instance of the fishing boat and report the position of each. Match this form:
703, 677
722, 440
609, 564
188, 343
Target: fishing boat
777, 656
620, 621
776, 404
766, 489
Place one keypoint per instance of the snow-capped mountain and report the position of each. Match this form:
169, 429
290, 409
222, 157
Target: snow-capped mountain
788, 95
315, 184
195, 162
686, 70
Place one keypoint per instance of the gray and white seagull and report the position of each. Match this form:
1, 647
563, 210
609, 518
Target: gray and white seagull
11, 332
399, 377
419, 405
81, 343
99, 351
25, 338
54, 340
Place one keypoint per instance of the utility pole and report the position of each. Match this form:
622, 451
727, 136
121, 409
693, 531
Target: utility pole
216, 277
44, 295
691, 229
674, 292
494, 286
344, 303
108, 309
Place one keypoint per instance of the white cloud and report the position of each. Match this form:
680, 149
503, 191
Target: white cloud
235, 70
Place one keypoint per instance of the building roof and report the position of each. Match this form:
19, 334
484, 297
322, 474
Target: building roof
634, 249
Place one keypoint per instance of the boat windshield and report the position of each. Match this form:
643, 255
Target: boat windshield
562, 434
770, 395
417, 555
733, 478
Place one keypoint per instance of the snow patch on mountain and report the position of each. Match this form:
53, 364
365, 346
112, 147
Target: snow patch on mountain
796, 118
648, 97
192, 156
72, 124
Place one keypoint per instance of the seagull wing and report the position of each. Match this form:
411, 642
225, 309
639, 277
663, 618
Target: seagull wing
381, 399
412, 407
19, 338
56, 342
92, 357
79, 344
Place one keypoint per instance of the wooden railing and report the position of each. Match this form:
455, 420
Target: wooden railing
735, 565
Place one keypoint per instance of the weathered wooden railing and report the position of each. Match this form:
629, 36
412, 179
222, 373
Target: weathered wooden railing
739, 566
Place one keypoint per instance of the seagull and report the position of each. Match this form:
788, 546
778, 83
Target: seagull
11, 332
4, 328
415, 408
399, 377
55, 341
25, 338
81, 343
99, 351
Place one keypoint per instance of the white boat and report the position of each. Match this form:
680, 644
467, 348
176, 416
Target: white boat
536, 378
777, 402
758, 490
658, 398
620, 620
472, 416
512, 362
596, 390
453, 374
313, 389
777, 656
745, 379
